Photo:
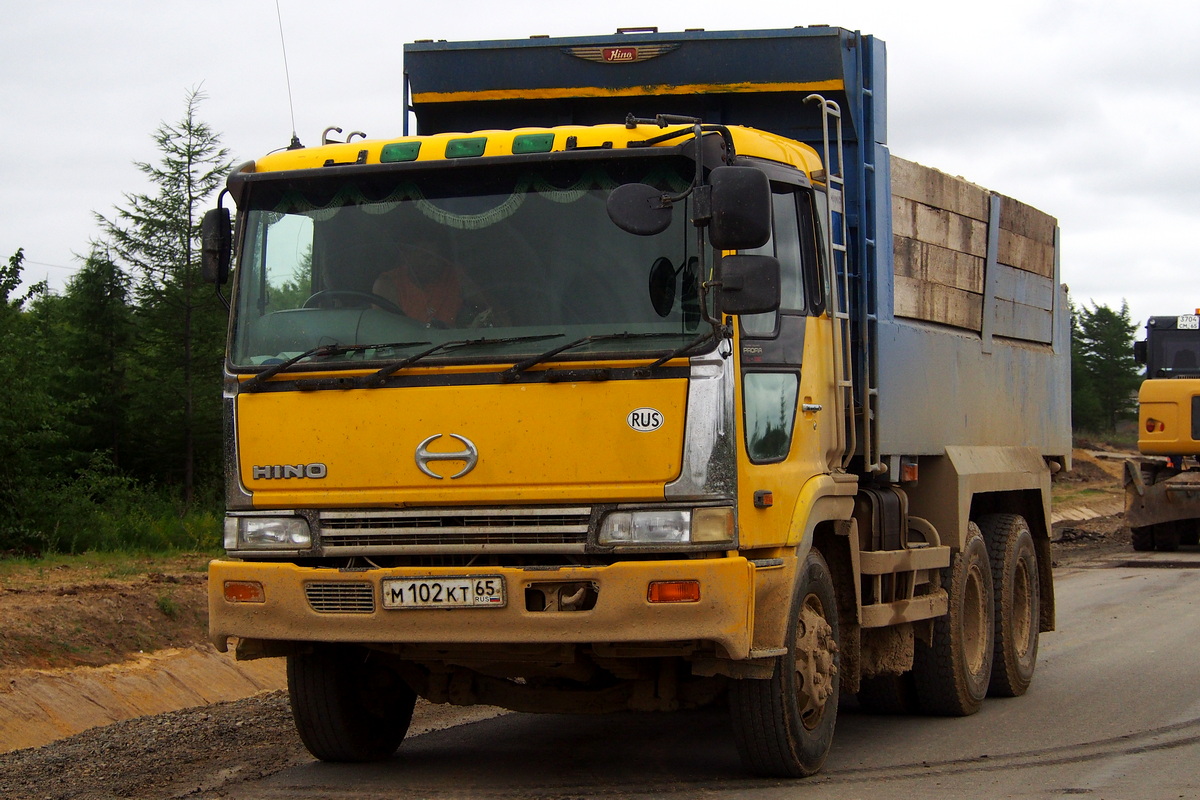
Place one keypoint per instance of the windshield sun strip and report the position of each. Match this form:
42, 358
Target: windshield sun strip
240, 179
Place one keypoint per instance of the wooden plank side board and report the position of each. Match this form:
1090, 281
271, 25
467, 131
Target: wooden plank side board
918, 299
937, 189
938, 226
1025, 220
1023, 287
1026, 254
940, 248
941, 265
1019, 321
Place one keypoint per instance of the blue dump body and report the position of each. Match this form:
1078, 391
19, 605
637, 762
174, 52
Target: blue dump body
1004, 380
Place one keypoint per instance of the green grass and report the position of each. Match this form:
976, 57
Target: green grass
1123, 439
167, 605
98, 566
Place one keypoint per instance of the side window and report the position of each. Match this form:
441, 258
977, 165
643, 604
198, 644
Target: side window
785, 245
813, 253
770, 409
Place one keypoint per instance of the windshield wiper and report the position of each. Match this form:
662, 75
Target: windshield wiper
516, 369
377, 378
320, 351
677, 352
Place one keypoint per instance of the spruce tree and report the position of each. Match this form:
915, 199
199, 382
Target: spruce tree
179, 322
93, 331
29, 433
1103, 353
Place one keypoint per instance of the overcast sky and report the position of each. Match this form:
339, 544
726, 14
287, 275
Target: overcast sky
1088, 110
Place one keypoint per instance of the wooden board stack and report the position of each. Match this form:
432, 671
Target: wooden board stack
940, 238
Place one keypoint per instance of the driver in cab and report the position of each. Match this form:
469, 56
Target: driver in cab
433, 291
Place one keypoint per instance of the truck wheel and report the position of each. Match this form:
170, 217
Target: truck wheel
1166, 537
784, 726
952, 674
888, 694
346, 706
1142, 538
1017, 603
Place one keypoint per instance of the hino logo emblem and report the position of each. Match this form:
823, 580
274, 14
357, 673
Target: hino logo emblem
469, 455
625, 54
280, 471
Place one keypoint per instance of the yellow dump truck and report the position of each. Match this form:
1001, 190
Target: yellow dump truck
641, 376
1162, 486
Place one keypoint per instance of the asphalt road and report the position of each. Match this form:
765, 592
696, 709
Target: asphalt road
1113, 713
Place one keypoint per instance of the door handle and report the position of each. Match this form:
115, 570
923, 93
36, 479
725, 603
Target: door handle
813, 407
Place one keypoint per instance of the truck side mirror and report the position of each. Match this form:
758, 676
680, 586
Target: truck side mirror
741, 208
639, 208
1139, 352
216, 245
749, 284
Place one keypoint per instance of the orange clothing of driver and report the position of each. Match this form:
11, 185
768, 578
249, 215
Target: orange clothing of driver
438, 301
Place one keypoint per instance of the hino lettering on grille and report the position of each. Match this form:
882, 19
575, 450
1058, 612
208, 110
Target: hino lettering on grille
281, 471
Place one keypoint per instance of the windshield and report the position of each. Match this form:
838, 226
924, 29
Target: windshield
509, 255
1174, 353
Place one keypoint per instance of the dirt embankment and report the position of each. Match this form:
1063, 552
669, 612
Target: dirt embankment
89, 643
1087, 508
93, 638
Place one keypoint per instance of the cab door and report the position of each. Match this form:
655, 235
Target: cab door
788, 412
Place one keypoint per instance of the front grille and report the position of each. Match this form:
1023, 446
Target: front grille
340, 597
525, 530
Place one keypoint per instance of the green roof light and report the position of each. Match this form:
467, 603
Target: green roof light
399, 151
533, 143
466, 148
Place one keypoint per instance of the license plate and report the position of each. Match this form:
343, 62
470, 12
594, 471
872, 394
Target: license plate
1187, 322
475, 591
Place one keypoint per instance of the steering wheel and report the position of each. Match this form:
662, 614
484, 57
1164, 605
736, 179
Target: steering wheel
314, 301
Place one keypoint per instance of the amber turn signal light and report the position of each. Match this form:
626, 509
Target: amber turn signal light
674, 592
245, 592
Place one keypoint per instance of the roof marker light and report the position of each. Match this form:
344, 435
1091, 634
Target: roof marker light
466, 148
533, 143
399, 151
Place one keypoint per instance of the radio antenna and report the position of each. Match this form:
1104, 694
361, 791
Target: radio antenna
295, 145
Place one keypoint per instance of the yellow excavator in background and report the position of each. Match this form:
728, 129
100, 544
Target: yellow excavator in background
1162, 485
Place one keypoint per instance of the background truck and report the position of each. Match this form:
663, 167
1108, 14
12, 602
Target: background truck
1162, 486
643, 377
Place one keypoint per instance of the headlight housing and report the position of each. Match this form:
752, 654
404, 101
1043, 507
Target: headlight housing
267, 533
667, 526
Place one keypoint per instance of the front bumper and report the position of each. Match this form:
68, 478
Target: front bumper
622, 612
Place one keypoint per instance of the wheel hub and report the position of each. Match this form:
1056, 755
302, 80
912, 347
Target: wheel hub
816, 662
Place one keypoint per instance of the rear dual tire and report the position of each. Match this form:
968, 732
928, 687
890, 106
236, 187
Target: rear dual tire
1017, 602
952, 673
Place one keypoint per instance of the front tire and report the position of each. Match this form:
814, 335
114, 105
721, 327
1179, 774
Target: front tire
1166, 537
1142, 538
347, 706
952, 674
784, 726
1017, 603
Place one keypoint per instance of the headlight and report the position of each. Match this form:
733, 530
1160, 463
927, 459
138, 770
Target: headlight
668, 526
267, 533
